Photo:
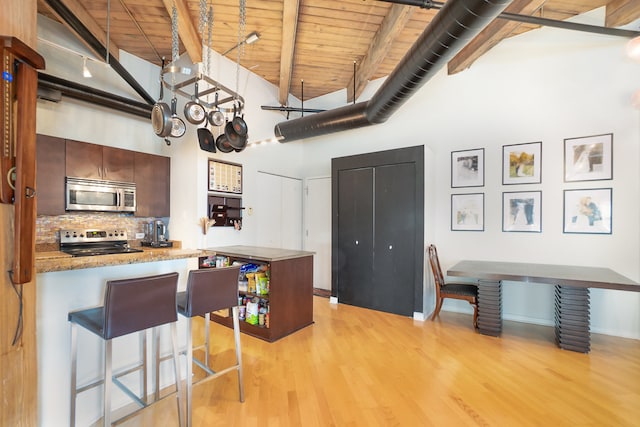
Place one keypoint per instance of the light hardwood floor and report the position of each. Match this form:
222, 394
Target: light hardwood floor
357, 367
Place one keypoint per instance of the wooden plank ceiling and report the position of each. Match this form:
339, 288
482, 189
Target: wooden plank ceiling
315, 41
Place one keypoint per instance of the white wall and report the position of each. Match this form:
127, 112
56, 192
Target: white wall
545, 85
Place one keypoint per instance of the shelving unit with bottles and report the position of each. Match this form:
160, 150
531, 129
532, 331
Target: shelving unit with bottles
289, 302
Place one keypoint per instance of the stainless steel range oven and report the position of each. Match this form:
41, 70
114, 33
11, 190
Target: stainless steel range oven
95, 242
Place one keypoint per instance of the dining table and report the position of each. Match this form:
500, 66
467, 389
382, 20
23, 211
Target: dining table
571, 302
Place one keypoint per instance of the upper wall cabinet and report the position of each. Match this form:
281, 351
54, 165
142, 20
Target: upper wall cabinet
92, 161
50, 157
57, 158
153, 178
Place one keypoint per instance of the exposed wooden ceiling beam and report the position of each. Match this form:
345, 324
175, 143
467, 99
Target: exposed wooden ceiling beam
289, 30
391, 26
493, 34
621, 12
92, 26
187, 32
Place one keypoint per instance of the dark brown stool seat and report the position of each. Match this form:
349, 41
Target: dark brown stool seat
210, 290
130, 305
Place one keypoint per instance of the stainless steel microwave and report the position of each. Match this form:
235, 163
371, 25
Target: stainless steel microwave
97, 195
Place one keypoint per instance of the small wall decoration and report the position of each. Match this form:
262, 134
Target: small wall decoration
588, 158
521, 163
588, 211
522, 211
467, 212
225, 177
467, 168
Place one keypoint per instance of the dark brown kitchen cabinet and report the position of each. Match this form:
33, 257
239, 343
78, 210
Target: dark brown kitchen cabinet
152, 177
50, 172
92, 161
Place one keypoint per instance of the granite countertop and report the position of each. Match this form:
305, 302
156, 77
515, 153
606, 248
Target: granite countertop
257, 252
49, 261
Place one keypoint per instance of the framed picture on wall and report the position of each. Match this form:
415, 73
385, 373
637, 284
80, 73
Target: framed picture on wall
588, 158
522, 211
588, 211
521, 163
224, 177
467, 168
467, 212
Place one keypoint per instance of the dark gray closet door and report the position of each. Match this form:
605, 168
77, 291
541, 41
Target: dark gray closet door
394, 239
355, 241
377, 245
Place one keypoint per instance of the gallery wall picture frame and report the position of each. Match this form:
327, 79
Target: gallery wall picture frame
522, 211
467, 212
467, 168
522, 163
588, 211
588, 158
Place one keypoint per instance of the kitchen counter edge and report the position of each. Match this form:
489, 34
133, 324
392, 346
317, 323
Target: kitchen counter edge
256, 252
46, 262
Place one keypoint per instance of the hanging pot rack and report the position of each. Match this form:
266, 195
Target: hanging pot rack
235, 102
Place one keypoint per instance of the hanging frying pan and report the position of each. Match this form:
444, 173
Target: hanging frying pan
193, 111
237, 125
161, 116
216, 118
178, 128
236, 141
206, 140
223, 145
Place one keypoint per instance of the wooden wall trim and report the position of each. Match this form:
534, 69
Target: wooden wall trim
18, 363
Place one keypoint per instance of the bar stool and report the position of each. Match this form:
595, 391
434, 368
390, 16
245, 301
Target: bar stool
130, 305
210, 290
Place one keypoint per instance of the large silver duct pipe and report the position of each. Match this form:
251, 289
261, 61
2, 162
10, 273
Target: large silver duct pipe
451, 29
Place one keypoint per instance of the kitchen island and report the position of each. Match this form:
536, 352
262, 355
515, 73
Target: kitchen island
287, 305
64, 284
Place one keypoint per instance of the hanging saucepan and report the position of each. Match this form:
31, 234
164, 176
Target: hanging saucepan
223, 144
161, 117
178, 128
193, 111
216, 118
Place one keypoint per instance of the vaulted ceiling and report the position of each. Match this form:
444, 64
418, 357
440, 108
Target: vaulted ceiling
323, 43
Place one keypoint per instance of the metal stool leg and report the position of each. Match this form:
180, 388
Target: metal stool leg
207, 322
189, 354
74, 369
156, 364
107, 382
236, 335
176, 364
145, 361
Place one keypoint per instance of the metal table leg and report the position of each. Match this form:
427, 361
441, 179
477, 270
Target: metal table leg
572, 318
489, 307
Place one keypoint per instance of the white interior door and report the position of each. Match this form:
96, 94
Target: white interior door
317, 225
279, 211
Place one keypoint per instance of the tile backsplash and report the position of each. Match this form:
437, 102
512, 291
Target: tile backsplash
48, 227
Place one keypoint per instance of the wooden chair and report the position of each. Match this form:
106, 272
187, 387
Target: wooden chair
455, 290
